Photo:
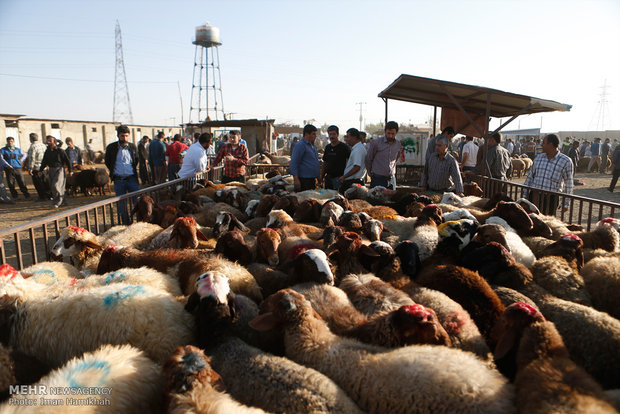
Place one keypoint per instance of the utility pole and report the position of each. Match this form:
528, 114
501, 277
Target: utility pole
122, 106
361, 104
602, 110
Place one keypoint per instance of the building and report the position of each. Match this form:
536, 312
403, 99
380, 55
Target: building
102, 133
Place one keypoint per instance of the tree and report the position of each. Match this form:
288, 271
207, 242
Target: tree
375, 129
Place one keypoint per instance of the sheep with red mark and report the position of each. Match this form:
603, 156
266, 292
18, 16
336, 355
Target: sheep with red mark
194, 387
444, 379
127, 380
72, 321
51, 273
184, 265
356, 191
267, 242
407, 325
233, 246
570, 247
604, 237
546, 379
216, 312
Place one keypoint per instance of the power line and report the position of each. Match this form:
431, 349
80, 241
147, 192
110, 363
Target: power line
76, 80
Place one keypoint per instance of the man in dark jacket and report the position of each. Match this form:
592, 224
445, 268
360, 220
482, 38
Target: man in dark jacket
121, 158
55, 159
143, 156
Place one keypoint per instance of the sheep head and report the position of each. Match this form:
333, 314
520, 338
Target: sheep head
570, 247
514, 215
409, 254
488, 233
312, 265
143, 209
278, 218
288, 203
350, 221
330, 235
284, 308
73, 241
187, 367
432, 212
459, 231
539, 228
232, 246
330, 211
185, 233
341, 201
169, 215
267, 243
372, 229
416, 324
308, 211
250, 209
226, 221
348, 243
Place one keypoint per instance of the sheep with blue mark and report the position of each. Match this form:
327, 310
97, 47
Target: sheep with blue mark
142, 276
59, 327
127, 380
50, 273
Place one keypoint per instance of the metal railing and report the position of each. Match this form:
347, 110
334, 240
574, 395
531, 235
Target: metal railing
580, 210
40, 235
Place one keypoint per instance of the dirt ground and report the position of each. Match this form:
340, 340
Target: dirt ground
595, 186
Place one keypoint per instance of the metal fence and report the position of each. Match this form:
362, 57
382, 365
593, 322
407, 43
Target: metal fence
572, 209
27, 244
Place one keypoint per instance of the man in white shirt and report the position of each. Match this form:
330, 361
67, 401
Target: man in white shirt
196, 159
355, 170
470, 154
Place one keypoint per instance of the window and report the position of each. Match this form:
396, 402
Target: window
93, 129
55, 126
10, 123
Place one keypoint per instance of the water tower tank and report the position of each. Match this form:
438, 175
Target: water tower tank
207, 36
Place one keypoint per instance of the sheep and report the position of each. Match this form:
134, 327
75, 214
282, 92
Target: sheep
194, 386
50, 273
102, 179
330, 236
184, 265
233, 246
425, 234
407, 325
250, 209
288, 203
183, 234
18, 368
265, 204
225, 221
521, 252
602, 237
602, 281
279, 159
208, 216
267, 242
128, 381
287, 226
569, 247
145, 209
372, 229
356, 191
238, 363
74, 321
509, 296
547, 380
470, 290
309, 211
330, 211
554, 274
444, 379
518, 167
166, 216
472, 188
316, 195
85, 248
557, 226
142, 276
293, 246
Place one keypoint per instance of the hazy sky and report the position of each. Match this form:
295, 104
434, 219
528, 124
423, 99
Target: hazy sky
298, 60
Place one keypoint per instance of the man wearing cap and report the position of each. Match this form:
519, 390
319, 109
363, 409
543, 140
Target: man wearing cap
157, 158
55, 159
35, 157
14, 156
441, 171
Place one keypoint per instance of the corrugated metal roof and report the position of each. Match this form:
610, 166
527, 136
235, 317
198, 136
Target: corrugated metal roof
473, 99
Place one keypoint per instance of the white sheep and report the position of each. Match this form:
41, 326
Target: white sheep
127, 382
71, 322
521, 252
143, 276
417, 378
50, 273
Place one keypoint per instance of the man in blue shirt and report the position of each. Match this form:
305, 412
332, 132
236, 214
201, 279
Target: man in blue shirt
157, 158
305, 166
121, 158
14, 157
596, 154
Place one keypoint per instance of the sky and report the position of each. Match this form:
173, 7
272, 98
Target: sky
310, 60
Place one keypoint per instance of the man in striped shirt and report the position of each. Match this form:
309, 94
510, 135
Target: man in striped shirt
441, 172
552, 171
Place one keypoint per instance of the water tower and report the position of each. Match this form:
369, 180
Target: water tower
207, 101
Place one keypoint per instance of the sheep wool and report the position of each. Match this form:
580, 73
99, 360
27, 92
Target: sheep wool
50, 273
143, 276
129, 383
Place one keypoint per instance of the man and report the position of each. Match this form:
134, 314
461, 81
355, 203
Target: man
552, 171
55, 159
460, 146
566, 146
334, 159
73, 153
510, 147
4, 196
35, 156
157, 158
595, 156
441, 171
355, 169
143, 156
470, 154
498, 159
235, 156
121, 158
90, 151
304, 165
573, 154
584, 146
196, 159
448, 133
382, 155
605, 148
615, 160
530, 149
173, 153
14, 156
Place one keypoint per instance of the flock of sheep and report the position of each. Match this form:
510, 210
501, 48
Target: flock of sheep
251, 298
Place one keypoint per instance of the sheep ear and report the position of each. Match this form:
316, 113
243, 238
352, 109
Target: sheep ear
235, 221
506, 343
192, 302
201, 235
92, 244
173, 234
264, 322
